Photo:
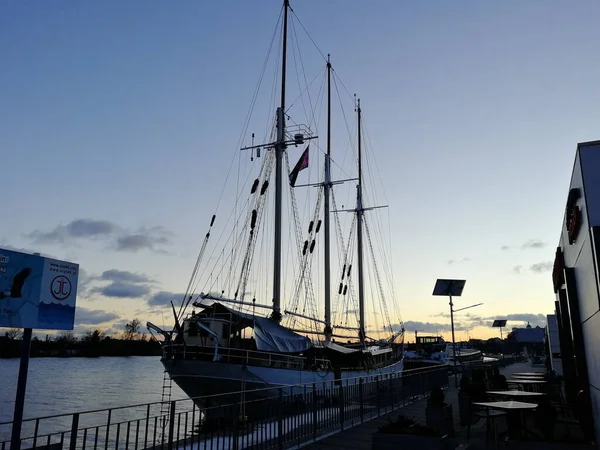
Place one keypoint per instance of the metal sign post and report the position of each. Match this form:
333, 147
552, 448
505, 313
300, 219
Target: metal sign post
15, 440
36, 292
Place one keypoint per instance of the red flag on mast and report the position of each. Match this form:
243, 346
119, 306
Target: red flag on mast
300, 165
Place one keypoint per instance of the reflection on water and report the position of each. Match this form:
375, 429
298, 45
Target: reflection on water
65, 385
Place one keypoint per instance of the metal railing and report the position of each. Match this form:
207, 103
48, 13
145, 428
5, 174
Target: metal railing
258, 419
241, 356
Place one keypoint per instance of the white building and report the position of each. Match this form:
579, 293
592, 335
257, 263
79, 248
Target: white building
577, 285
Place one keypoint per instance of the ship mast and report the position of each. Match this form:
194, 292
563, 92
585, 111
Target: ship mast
280, 146
359, 223
327, 192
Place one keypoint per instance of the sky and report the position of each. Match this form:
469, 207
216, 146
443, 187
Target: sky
118, 119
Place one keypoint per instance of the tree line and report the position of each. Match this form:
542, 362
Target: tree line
130, 342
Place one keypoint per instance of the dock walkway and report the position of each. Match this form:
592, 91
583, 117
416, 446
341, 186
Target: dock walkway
359, 437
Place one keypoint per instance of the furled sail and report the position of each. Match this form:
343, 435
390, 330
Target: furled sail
272, 337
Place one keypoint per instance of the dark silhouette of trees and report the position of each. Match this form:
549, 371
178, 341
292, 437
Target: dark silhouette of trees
14, 333
92, 344
132, 330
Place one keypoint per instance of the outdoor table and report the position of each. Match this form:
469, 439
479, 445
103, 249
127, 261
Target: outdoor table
533, 374
527, 377
516, 394
509, 405
526, 383
514, 409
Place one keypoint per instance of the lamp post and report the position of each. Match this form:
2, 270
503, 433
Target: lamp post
500, 323
450, 288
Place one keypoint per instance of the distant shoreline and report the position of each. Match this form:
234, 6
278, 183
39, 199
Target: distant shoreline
78, 356
80, 348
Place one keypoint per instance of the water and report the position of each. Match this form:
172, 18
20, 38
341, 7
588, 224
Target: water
66, 385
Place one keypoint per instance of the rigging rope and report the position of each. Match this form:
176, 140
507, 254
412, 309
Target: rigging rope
240, 140
243, 248
182, 308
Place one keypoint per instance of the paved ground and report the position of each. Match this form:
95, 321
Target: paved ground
359, 437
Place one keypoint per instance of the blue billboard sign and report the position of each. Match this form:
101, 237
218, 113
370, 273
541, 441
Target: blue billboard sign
37, 292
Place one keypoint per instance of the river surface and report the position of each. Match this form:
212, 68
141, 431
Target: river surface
67, 385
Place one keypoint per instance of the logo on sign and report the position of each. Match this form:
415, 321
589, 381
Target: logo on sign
60, 287
558, 271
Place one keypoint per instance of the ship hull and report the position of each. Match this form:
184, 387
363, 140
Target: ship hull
199, 378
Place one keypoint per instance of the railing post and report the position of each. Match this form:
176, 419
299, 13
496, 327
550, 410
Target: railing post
361, 400
236, 432
377, 388
402, 389
35, 432
171, 424
342, 400
74, 426
314, 411
392, 376
107, 429
280, 420
147, 426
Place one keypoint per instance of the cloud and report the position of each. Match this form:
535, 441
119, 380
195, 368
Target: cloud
125, 276
533, 244
120, 324
80, 228
164, 298
84, 282
426, 327
86, 316
455, 261
124, 284
541, 267
144, 239
533, 319
123, 290
27, 250
477, 321
117, 237
536, 268
467, 322
435, 327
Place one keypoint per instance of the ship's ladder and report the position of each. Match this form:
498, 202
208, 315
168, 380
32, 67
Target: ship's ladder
165, 403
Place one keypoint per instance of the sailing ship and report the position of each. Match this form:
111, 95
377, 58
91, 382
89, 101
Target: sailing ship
230, 341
